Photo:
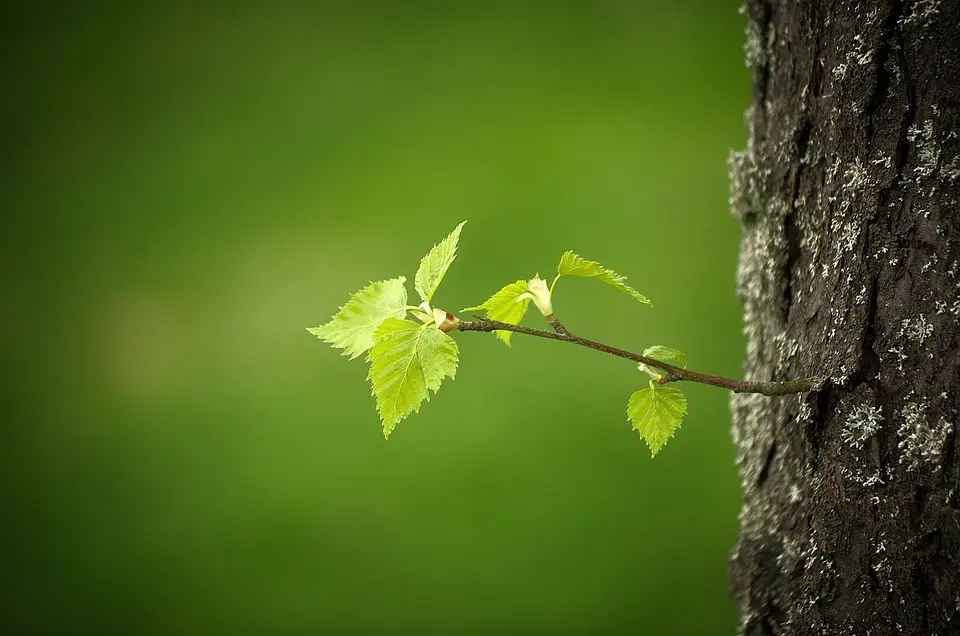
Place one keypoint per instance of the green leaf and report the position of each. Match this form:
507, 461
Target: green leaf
435, 264
656, 413
506, 306
572, 264
351, 329
407, 361
663, 354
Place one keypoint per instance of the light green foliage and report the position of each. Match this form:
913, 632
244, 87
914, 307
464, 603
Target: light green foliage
663, 354
572, 264
435, 264
506, 306
407, 361
656, 413
351, 329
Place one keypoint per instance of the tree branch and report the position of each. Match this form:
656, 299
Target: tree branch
673, 374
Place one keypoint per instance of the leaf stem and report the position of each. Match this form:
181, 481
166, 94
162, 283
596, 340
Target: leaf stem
554, 283
674, 374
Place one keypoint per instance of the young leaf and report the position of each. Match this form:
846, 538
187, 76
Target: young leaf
656, 413
506, 306
408, 361
351, 329
663, 354
435, 264
574, 265
540, 294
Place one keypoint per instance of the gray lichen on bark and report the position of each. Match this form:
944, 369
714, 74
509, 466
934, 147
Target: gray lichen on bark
849, 196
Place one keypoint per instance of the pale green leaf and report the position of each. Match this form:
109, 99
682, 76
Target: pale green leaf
656, 413
663, 354
351, 329
572, 264
435, 264
407, 361
506, 306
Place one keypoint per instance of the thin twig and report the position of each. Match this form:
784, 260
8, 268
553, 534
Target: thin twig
558, 326
674, 374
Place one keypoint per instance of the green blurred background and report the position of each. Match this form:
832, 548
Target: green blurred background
185, 189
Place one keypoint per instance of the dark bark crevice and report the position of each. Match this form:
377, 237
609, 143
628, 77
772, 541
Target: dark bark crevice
765, 471
888, 39
759, 12
869, 359
790, 223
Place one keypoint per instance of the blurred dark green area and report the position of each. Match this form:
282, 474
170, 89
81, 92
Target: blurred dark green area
185, 189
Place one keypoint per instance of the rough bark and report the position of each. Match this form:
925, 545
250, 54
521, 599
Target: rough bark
849, 195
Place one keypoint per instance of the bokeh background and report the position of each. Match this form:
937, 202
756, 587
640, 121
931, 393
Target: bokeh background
184, 189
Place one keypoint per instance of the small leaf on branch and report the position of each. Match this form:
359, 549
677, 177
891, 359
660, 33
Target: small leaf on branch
656, 413
507, 305
352, 328
408, 361
572, 264
668, 355
435, 264
540, 294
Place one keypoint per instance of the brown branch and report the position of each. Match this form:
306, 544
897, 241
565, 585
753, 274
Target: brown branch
558, 326
673, 374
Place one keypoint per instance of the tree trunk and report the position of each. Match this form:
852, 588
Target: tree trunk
850, 271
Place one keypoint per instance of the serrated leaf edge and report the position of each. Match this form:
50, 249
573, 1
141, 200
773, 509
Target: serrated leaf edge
388, 428
637, 424
619, 281
320, 330
454, 238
